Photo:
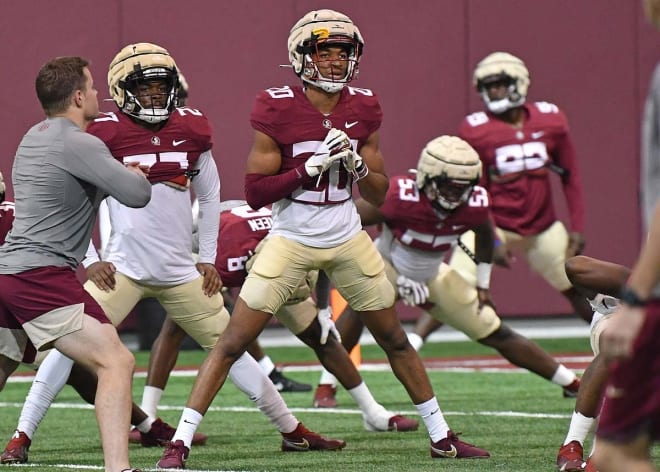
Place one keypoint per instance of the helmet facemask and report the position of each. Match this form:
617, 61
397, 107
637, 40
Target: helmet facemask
313, 58
447, 194
513, 98
139, 87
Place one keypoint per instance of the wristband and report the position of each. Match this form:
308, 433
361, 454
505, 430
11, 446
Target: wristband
361, 171
629, 297
483, 275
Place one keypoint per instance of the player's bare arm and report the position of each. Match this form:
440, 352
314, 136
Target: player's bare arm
593, 276
265, 157
369, 214
374, 186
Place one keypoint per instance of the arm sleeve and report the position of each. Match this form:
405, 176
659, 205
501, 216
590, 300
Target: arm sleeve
650, 165
206, 186
93, 163
262, 190
571, 182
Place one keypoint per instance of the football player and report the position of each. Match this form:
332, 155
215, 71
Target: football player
520, 145
61, 174
601, 283
311, 143
149, 251
422, 218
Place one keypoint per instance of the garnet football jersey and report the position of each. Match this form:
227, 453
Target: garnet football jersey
416, 237
6, 219
241, 230
169, 152
286, 115
516, 163
414, 223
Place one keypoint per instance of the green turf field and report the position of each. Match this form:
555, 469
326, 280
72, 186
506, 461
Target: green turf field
519, 417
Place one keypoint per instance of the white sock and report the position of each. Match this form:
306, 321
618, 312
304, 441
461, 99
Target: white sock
433, 419
563, 376
188, 424
145, 426
51, 377
371, 409
327, 378
415, 341
579, 428
266, 364
150, 400
251, 380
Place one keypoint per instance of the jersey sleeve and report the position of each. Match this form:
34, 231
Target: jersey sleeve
197, 125
370, 109
267, 111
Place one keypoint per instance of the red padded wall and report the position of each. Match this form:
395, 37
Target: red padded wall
593, 58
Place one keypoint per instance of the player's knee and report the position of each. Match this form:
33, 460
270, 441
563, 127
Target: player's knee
499, 336
574, 266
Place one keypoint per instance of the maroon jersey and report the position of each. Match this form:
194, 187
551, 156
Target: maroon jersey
241, 229
286, 115
414, 223
516, 162
6, 219
171, 152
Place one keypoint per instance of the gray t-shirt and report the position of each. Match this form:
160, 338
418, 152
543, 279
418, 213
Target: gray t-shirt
650, 167
60, 175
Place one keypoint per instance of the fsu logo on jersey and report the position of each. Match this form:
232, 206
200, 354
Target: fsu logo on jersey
155, 140
327, 124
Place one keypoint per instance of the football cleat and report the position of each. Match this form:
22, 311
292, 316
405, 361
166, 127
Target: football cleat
301, 439
174, 456
160, 434
285, 384
398, 423
453, 448
571, 390
16, 451
324, 397
591, 466
569, 458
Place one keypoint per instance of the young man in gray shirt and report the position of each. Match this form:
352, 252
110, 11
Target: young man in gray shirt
60, 175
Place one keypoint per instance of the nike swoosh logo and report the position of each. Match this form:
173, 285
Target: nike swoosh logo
455, 227
175, 143
348, 125
537, 134
301, 445
450, 454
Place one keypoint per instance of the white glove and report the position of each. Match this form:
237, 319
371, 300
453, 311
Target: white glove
328, 152
412, 292
336, 140
354, 164
327, 325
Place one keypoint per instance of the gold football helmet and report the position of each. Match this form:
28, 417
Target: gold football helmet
502, 66
133, 67
318, 29
447, 171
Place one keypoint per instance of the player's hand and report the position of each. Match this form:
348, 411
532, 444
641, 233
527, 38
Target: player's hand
412, 293
327, 325
622, 329
576, 244
503, 257
212, 283
103, 275
138, 168
336, 141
